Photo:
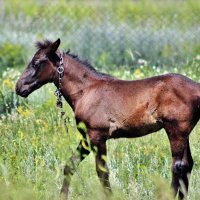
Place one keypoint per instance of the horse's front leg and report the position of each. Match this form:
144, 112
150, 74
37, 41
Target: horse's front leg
101, 166
81, 152
99, 147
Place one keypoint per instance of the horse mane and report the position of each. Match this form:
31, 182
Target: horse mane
40, 45
43, 44
87, 64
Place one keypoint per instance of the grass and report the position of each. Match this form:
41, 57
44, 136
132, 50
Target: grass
161, 32
129, 39
34, 149
125, 10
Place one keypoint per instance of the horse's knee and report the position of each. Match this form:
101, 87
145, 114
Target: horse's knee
181, 168
181, 171
68, 170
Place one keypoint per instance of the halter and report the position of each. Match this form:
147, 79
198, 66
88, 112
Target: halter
59, 103
58, 92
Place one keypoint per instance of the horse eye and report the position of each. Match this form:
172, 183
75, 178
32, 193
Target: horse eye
36, 65
39, 64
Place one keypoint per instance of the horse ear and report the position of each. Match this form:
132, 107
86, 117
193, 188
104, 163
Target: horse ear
54, 46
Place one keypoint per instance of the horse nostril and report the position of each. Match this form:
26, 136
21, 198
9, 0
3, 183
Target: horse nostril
17, 90
18, 86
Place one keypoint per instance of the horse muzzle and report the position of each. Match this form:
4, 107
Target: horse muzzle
24, 90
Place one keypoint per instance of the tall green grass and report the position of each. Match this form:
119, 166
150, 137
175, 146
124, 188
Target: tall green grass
129, 39
125, 10
35, 147
161, 32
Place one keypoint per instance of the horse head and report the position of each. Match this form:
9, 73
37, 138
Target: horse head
41, 69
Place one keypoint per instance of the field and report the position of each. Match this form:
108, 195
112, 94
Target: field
133, 44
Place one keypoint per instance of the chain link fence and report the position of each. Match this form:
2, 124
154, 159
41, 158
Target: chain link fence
111, 33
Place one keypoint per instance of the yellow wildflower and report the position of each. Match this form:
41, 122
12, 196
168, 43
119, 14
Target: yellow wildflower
27, 113
20, 109
42, 163
21, 135
42, 123
138, 73
8, 83
23, 111
12, 156
34, 141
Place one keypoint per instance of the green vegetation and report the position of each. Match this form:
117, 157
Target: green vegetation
128, 39
34, 148
161, 32
124, 10
8, 99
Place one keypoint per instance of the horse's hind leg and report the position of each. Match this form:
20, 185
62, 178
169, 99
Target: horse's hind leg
181, 162
187, 159
101, 166
81, 152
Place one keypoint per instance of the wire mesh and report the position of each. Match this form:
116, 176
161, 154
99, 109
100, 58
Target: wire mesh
108, 33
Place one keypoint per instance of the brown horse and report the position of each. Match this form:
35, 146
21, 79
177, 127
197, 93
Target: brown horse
112, 108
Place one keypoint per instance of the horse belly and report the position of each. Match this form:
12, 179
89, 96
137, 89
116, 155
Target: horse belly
132, 132
135, 126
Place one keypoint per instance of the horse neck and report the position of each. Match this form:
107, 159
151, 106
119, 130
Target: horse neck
77, 78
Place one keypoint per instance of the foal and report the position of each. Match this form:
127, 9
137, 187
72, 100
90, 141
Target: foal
112, 108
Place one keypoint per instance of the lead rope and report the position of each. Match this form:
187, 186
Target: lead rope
58, 92
59, 103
